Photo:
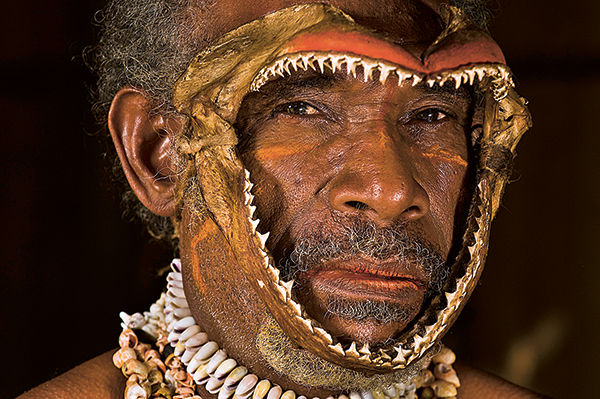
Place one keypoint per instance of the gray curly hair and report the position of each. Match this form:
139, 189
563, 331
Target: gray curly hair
147, 44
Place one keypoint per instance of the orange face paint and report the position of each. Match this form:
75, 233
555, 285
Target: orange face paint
437, 153
208, 230
278, 151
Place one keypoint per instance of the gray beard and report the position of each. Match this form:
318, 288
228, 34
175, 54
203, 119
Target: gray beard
361, 238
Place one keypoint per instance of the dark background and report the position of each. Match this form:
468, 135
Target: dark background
71, 262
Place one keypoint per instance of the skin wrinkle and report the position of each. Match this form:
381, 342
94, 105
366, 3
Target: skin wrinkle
385, 128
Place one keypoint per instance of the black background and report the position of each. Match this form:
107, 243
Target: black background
70, 260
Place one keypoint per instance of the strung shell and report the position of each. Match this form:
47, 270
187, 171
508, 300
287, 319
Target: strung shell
261, 389
445, 372
445, 355
427, 393
137, 391
275, 392
128, 339
444, 389
288, 395
246, 385
213, 385
235, 376
215, 361
122, 355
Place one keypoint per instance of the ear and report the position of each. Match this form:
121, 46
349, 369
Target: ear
143, 142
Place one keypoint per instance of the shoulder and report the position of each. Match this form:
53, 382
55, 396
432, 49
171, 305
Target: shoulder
96, 378
477, 383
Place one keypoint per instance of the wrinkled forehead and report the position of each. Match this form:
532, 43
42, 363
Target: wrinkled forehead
411, 23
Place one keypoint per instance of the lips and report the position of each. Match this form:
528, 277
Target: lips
361, 278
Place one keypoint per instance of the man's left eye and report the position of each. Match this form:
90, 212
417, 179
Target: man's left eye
297, 108
431, 115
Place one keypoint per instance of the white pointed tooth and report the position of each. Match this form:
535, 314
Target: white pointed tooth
263, 238
457, 81
450, 297
252, 210
337, 348
247, 173
286, 66
471, 74
324, 334
296, 306
368, 68
336, 62
266, 262
321, 62
310, 62
471, 249
248, 185
351, 64
365, 350
431, 82
385, 72
294, 63
282, 292
418, 342
303, 62
480, 73
254, 224
288, 286
279, 71
307, 323
274, 273
352, 350
416, 80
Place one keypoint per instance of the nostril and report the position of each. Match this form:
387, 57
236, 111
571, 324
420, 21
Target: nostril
359, 206
411, 210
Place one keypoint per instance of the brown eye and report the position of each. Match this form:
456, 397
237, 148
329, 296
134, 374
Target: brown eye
297, 108
431, 115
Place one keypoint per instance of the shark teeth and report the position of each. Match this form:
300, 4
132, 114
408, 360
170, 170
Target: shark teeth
320, 62
254, 223
421, 336
263, 238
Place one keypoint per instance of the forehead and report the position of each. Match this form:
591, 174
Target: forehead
411, 23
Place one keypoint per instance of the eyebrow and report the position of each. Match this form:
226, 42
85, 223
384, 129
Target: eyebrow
447, 89
291, 84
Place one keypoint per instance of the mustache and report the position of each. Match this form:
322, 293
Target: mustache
357, 237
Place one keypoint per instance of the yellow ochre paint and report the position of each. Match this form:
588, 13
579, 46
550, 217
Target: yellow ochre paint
438, 153
284, 150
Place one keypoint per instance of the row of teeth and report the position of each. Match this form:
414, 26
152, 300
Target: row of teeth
398, 356
210, 366
320, 62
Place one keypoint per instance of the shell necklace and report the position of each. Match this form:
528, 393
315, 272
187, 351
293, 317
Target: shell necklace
186, 358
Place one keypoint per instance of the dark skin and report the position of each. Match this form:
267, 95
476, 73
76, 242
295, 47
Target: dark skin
336, 146
359, 148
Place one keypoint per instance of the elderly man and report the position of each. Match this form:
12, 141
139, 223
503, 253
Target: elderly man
329, 171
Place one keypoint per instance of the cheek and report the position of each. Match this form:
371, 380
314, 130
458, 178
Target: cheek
442, 174
282, 177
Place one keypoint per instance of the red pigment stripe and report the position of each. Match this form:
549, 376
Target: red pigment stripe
481, 51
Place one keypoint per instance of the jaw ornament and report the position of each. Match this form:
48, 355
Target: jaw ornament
321, 38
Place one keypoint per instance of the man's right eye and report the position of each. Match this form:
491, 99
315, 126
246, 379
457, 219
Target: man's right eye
297, 108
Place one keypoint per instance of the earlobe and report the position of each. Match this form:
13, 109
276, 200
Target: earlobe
143, 144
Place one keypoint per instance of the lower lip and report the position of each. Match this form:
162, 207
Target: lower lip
349, 283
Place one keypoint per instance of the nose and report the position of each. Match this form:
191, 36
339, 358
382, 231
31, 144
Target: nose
378, 180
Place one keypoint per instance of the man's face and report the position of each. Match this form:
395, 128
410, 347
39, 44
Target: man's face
357, 183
